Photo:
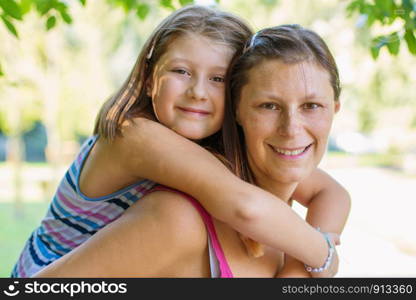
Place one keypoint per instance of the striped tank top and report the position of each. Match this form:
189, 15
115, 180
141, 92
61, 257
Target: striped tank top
72, 218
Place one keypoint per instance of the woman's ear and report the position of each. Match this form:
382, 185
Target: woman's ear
237, 116
149, 86
337, 105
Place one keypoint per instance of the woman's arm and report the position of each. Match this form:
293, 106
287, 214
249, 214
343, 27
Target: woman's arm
148, 149
162, 235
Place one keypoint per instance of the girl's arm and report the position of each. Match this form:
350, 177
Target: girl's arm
149, 150
328, 208
328, 202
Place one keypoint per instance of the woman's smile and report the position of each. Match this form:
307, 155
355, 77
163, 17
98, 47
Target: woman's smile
291, 153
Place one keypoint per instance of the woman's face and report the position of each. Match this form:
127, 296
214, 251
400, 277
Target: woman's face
286, 112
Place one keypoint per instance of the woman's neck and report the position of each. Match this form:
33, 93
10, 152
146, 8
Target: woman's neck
282, 190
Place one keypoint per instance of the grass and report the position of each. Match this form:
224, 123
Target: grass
15, 229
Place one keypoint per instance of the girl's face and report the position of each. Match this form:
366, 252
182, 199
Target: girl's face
187, 86
286, 113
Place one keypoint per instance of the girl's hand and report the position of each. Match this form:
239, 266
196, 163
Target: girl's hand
335, 238
333, 267
331, 271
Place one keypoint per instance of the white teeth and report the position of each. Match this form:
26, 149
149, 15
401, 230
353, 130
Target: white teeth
288, 152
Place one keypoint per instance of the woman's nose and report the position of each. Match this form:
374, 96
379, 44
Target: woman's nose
290, 124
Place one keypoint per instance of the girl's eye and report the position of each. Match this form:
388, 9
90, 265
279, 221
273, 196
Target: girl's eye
218, 79
181, 71
270, 106
311, 106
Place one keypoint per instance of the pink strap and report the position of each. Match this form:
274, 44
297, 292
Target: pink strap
206, 217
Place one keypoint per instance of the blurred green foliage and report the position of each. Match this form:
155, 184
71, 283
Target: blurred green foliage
386, 13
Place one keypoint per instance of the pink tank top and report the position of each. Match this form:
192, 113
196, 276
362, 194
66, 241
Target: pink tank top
217, 257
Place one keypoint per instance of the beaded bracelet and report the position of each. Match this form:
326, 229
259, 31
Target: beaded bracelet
328, 260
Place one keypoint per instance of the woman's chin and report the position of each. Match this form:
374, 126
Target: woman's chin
291, 176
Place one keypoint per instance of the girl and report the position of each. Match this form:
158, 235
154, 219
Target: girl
178, 80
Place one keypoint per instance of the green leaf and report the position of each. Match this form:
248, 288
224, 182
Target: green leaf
411, 41
386, 6
65, 16
185, 2
51, 22
10, 26
11, 8
1, 71
352, 8
43, 6
143, 10
83, 2
25, 6
375, 52
376, 45
167, 4
410, 24
128, 5
408, 5
370, 20
393, 43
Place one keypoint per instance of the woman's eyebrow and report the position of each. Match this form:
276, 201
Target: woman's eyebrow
270, 96
273, 96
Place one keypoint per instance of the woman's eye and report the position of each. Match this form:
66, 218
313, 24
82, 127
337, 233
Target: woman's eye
311, 106
218, 79
270, 106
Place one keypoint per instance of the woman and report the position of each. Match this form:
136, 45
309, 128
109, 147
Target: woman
283, 96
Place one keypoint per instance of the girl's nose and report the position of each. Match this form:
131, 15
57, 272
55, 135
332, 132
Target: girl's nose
198, 90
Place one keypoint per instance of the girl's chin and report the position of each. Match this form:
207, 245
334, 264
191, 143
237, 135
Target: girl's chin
192, 134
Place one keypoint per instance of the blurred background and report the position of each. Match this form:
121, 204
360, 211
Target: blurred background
60, 60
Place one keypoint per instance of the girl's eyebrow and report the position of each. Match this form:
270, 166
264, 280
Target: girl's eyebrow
219, 67
178, 59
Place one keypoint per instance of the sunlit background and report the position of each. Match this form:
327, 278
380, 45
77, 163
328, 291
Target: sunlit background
55, 81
